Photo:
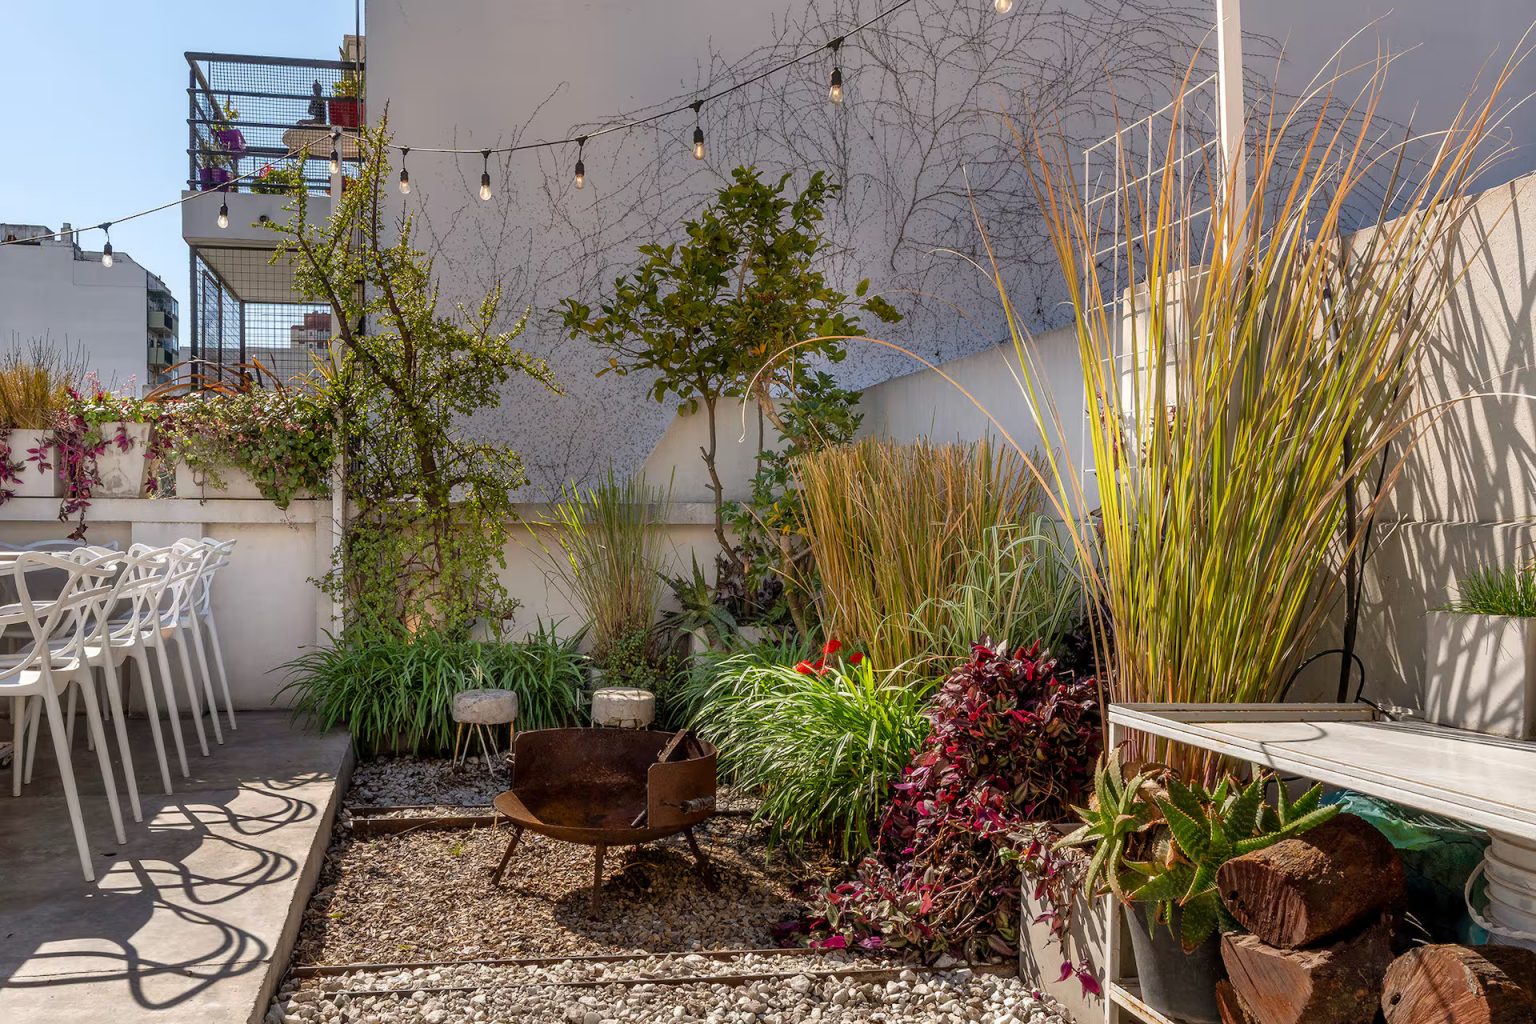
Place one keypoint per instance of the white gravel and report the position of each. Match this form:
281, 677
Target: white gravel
493, 994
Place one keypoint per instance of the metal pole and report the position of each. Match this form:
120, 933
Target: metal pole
1229, 88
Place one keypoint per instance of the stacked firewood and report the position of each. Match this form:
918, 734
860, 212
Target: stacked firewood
1318, 910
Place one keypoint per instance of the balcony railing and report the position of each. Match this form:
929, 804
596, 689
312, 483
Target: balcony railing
248, 113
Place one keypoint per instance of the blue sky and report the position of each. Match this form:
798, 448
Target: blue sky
93, 119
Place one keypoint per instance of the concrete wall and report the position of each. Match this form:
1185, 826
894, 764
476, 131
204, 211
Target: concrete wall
78, 305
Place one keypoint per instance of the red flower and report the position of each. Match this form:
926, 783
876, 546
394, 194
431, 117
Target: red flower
805, 668
856, 657
831, 647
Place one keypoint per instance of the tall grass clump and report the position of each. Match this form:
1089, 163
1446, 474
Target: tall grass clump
821, 745
395, 691
1257, 381
892, 527
34, 386
612, 546
1509, 592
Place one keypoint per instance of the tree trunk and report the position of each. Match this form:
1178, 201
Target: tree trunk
1461, 985
1337, 984
1301, 891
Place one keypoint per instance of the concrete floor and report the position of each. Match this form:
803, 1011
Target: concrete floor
193, 919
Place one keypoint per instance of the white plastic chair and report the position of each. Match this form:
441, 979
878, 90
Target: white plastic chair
59, 630
202, 607
135, 630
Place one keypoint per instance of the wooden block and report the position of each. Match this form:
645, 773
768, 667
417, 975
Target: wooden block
1299, 892
1461, 985
1230, 1006
1336, 984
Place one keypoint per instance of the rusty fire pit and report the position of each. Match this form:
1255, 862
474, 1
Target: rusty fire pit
609, 787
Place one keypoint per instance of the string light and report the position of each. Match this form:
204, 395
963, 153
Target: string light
405, 175
335, 162
224, 214
485, 175
106, 250
581, 168
698, 131
835, 86
1002, 6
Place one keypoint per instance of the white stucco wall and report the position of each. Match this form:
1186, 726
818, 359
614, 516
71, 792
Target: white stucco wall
79, 306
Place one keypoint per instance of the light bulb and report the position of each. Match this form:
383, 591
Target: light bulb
106, 255
335, 162
835, 90
405, 182
485, 185
224, 214
698, 143
581, 174
1002, 6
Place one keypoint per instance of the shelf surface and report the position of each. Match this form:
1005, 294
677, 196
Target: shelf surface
1487, 781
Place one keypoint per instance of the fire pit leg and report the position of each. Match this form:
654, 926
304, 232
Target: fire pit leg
595, 900
705, 867
517, 834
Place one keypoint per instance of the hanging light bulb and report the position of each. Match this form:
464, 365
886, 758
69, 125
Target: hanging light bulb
485, 175
835, 86
581, 168
224, 214
698, 131
1002, 6
106, 250
405, 175
335, 161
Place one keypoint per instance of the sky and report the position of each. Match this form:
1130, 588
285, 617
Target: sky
93, 120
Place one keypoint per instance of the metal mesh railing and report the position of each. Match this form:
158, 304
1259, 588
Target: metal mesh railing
246, 114
235, 323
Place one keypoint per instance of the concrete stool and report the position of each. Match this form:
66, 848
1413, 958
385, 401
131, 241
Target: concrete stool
483, 711
623, 707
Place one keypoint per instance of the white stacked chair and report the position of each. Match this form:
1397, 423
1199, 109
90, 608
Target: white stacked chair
60, 631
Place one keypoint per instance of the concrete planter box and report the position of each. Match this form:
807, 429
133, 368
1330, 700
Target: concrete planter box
237, 483
123, 473
34, 482
1040, 956
1480, 673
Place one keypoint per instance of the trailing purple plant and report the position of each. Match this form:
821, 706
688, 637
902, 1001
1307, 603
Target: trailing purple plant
1012, 745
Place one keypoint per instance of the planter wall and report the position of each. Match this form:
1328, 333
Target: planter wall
123, 473
1480, 673
34, 482
237, 483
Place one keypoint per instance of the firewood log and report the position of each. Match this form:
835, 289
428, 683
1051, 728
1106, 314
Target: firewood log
1461, 985
1230, 1007
1300, 891
1336, 984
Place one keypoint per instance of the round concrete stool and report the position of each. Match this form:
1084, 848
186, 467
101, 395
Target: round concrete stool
623, 707
483, 711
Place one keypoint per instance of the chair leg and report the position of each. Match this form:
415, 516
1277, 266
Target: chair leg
517, 834
69, 718
67, 775
152, 707
34, 733
458, 734
594, 901
218, 660
172, 714
115, 707
18, 744
184, 655
197, 714
482, 731
93, 722
202, 664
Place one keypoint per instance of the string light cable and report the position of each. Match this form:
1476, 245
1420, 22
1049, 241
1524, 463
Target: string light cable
694, 106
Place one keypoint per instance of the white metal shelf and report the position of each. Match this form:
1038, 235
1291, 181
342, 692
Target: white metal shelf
1487, 781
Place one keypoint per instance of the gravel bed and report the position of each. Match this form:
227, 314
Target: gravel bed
500, 993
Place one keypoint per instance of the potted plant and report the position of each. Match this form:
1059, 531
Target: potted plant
214, 169
700, 618
34, 387
231, 139
1480, 655
270, 444
345, 109
278, 179
109, 443
1157, 843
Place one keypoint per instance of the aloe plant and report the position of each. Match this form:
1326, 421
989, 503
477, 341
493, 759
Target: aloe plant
1160, 842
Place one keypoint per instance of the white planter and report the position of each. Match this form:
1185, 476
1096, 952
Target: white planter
1041, 956
123, 473
237, 483
1480, 673
34, 482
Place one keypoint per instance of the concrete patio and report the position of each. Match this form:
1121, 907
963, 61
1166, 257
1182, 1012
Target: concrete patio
194, 918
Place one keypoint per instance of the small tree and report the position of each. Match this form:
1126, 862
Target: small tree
738, 306
428, 506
